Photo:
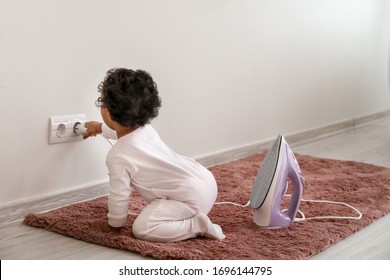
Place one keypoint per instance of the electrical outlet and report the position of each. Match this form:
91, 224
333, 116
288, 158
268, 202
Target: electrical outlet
61, 128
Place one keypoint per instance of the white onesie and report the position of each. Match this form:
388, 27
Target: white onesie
180, 192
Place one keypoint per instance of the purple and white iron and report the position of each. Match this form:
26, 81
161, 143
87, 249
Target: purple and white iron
271, 184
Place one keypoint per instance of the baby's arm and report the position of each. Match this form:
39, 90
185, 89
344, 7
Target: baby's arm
94, 128
108, 132
119, 192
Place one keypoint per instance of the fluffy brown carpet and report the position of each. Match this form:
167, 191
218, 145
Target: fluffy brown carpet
364, 186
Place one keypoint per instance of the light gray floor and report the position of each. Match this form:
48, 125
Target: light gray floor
369, 143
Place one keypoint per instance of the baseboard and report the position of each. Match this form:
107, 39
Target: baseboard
294, 139
14, 212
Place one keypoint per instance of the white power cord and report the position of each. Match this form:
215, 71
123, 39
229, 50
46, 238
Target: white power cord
109, 141
232, 203
303, 217
360, 215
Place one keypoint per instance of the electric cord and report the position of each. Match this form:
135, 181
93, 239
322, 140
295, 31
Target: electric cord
360, 215
109, 141
303, 216
232, 203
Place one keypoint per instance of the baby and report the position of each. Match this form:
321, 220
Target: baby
180, 192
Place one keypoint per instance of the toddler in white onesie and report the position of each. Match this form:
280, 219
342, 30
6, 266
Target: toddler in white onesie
180, 192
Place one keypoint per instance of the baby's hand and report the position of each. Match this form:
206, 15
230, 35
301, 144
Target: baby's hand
93, 128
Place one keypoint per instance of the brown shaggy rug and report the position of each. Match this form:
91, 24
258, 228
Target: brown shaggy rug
364, 186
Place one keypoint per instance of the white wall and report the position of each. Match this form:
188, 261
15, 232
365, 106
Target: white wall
230, 72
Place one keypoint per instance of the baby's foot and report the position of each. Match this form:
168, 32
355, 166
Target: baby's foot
210, 230
218, 233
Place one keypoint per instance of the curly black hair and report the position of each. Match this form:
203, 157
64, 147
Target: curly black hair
131, 96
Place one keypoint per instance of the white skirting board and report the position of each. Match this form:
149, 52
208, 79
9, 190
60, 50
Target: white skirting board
15, 211
293, 139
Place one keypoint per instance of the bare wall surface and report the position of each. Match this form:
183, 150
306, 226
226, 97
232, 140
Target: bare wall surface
229, 73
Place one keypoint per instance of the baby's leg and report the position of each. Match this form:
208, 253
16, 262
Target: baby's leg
169, 221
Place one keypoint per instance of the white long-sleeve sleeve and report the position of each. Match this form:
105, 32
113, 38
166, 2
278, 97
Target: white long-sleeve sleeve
119, 193
108, 132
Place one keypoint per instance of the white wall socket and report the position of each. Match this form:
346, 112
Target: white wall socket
61, 128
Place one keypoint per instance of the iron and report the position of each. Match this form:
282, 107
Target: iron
271, 184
